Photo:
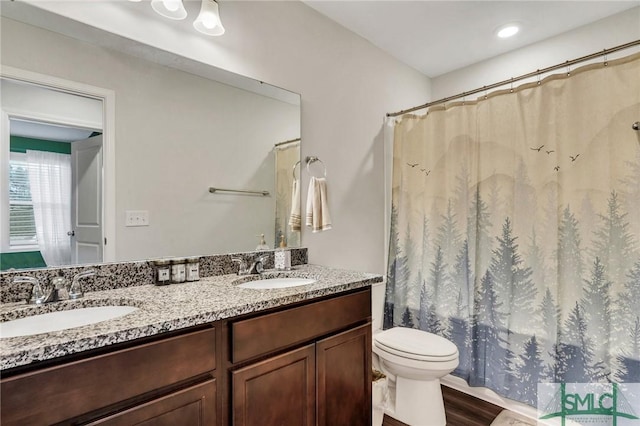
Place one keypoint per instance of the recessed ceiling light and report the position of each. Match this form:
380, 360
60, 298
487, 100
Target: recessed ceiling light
508, 31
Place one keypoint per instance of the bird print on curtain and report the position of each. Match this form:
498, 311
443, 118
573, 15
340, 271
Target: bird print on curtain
515, 231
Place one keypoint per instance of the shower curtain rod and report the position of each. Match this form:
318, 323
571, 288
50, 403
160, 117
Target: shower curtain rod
521, 77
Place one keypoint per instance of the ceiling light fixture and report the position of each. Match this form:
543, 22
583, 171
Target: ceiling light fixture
172, 9
208, 20
507, 31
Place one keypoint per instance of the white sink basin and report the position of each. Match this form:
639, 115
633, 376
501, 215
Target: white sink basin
270, 283
61, 320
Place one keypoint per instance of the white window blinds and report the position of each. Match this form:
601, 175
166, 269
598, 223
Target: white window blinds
22, 229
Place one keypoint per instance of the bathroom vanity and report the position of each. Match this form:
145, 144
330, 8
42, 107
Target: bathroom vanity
204, 353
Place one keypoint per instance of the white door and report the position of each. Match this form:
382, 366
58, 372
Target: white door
86, 201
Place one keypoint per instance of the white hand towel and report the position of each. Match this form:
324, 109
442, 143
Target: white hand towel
318, 217
295, 218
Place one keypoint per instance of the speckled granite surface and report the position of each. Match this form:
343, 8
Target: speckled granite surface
128, 274
166, 308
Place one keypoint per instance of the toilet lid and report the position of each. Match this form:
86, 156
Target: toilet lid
416, 344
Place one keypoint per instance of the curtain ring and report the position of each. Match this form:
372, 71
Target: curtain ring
310, 160
538, 78
605, 57
568, 71
511, 89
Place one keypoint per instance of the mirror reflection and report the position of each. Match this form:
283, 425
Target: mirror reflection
174, 135
287, 162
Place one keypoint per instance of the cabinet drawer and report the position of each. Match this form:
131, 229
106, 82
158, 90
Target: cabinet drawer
267, 333
54, 394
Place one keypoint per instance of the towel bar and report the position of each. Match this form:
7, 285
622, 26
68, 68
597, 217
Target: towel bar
239, 191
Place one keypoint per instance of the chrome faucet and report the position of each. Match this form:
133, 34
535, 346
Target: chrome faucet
37, 295
60, 289
257, 267
75, 289
242, 266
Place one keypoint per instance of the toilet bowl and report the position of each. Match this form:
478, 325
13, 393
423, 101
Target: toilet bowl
414, 361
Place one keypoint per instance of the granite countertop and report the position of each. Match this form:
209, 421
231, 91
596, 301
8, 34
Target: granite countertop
165, 308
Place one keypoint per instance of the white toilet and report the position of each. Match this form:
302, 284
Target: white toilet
414, 361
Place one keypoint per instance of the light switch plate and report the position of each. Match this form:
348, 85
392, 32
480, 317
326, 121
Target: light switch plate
137, 218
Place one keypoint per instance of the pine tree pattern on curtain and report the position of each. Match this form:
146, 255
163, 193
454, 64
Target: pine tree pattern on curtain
515, 230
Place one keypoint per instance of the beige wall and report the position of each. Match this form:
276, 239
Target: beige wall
347, 87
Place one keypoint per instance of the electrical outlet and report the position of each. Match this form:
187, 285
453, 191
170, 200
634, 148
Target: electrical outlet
137, 218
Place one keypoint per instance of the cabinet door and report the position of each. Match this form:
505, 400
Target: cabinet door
193, 406
277, 391
344, 378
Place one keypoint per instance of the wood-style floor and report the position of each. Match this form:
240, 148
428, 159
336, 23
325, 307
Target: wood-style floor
461, 410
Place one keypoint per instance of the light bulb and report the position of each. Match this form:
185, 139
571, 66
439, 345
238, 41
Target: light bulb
508, 31
208, 20
171, 5
172, 9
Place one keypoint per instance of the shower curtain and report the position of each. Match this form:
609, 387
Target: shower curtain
287, 155
515, 229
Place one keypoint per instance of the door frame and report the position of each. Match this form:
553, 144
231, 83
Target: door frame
108, 98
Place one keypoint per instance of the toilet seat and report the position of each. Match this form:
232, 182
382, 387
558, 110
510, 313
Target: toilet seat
416, 345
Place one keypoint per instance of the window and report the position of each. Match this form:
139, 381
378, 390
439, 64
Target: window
22, 228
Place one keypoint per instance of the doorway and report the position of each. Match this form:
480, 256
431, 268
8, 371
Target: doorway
41, 117
55, 194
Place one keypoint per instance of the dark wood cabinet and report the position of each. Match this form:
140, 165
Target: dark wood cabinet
344, 378
276, 391
312, 365
110, 381
193, 406
271, 332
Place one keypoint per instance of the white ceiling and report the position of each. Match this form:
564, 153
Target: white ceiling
434, 37
459, 33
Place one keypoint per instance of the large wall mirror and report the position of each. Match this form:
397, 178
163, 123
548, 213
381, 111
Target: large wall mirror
140, 168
